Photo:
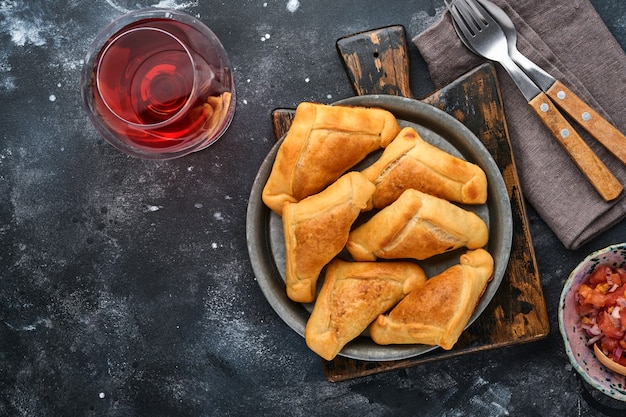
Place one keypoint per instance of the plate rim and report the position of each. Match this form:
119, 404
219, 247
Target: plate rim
294, 314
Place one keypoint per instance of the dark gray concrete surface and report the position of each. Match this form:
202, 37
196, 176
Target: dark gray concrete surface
125, 285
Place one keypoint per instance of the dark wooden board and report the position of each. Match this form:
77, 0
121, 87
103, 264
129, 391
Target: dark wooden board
377, 63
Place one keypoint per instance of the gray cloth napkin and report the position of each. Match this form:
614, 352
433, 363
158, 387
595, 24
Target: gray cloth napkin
568, 39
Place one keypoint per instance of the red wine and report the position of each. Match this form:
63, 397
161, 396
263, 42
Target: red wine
156, 91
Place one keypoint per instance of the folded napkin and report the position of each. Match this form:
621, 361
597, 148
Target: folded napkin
568, 39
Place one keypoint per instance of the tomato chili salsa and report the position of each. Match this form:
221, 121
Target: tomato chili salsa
602, 309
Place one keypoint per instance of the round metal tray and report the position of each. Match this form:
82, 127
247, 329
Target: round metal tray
266, 245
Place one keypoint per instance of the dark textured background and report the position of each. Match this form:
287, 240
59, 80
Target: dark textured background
125, 285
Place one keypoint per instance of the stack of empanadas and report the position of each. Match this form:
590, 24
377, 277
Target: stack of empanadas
417, 225
352, 296
409, 162
316, 229
321, 145
437, 312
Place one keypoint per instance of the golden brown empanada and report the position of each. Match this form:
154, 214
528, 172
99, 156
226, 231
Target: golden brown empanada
437, 312
417, 225
322, 144
411, 162
352, 296
316, 230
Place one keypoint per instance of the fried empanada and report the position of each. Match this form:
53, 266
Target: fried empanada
437, 312
316, 230
417, 225
411, 162
322, 143
352, 296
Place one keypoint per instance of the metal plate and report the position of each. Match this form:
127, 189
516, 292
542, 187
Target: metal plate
265, 234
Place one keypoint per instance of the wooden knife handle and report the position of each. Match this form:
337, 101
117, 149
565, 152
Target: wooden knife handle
587, 161
596, 125
377, 61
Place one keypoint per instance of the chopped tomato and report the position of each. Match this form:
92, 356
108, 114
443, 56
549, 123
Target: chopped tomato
611, 298
608, 344
615, 278
602, 310
591, 296
622, 318
585, 309
599, 275
607, 327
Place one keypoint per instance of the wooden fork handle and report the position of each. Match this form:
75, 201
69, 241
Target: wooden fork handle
583, 156
596, 125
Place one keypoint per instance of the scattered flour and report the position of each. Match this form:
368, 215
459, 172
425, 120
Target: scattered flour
172, 4
22, 31
165, 4
293, 5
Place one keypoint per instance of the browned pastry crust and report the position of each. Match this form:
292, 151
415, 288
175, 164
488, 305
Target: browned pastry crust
411, 162
437, 312
321, 145
316, 230
418, 226
352, 296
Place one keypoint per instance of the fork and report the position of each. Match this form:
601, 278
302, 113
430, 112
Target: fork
575, 107
483, 35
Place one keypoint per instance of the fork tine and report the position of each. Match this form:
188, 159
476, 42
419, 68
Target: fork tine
479, 12
468, 15
460, 21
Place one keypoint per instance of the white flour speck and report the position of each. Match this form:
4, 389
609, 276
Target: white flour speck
245, 101
23, 32
101, 395
52, 97
198, 205
214, 245
117, 7
165, 4
329, 96
172, 4
7, 83
293, 5
153, 208
218, 216
307, 79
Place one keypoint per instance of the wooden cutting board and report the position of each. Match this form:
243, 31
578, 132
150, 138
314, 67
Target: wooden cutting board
377, 62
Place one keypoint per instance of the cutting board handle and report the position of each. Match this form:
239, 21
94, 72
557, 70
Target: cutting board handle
377, 61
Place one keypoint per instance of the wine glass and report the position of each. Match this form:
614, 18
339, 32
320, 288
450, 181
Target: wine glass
157, 84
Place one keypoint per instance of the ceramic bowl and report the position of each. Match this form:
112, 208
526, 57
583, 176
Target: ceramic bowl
580, 355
